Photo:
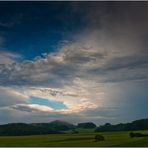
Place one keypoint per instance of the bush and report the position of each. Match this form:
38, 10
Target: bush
99, 138
74, 131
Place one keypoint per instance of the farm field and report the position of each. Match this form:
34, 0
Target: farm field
113, 139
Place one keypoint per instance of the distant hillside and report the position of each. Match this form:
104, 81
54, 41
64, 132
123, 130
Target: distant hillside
135, 125
60, 127
56, 125
17, 129
86, 125
14, 129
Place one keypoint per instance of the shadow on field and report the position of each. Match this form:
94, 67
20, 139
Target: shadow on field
95, 138
75, 139
132, 135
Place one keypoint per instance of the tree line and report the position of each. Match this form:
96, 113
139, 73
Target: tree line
135, 125
60, 127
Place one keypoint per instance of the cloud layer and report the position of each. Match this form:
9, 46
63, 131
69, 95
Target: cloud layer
88, 74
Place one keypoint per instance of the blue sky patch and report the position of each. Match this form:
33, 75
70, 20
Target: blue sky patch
46, 102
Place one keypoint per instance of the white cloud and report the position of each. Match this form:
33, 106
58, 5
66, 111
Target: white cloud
74, 100
32, 107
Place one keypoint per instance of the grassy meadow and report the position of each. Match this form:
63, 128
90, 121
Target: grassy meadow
83, 139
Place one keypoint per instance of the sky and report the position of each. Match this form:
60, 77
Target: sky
73, 61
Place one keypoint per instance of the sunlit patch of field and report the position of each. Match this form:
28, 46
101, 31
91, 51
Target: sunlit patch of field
72, 140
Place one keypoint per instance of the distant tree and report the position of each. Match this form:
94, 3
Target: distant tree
131, 134
61, 125
135, 125
18, 129
74, 131
105, 127
107, 124
86, 125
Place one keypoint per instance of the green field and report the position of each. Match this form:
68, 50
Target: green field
71, 140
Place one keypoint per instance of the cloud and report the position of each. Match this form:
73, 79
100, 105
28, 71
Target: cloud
88, 73
32, 107
7, 58
19, 98
73, 101
75, 61
9, 96
111, 44
77, 75
25, 114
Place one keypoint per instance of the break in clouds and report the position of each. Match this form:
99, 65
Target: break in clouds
99, 75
